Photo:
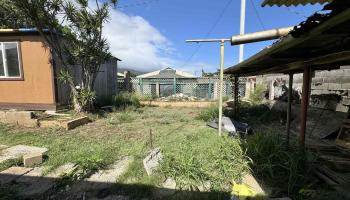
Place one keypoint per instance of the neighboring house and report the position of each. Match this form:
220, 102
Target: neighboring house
166, 82
28, 75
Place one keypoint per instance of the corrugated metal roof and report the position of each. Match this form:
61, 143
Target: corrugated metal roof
323, 46
292, 2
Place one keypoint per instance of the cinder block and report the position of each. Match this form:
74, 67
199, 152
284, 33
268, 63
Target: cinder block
77, 122
30, 160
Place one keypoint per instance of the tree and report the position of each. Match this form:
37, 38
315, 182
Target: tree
75, 41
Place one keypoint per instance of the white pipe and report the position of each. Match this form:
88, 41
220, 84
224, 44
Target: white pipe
222, 52
260, 36
242, 29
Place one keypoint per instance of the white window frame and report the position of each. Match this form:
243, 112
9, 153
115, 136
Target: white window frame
4, 60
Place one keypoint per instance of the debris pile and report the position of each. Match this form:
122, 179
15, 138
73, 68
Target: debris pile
179, 97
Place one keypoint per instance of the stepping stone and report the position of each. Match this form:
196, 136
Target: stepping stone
18, 151
12, 173
62, 170
111, 175
254, 185
104, 178
35, 183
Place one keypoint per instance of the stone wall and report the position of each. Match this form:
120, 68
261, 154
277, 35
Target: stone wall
328, 88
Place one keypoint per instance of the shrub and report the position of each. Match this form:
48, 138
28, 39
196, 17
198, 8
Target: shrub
287, 171
258, 95
126, 99
209, 113
208, 162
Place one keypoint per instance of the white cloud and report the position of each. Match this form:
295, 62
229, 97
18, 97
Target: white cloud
134, 40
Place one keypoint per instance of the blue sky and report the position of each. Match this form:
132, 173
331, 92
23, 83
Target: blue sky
151, 34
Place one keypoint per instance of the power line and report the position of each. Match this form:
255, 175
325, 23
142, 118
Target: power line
296, 13
257, 15
209, 32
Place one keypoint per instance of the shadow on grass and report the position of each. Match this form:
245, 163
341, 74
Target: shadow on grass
39, 187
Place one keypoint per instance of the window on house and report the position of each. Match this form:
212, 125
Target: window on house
9, 60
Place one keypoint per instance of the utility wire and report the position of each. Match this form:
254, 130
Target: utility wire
296, 13
209, 32
258, 15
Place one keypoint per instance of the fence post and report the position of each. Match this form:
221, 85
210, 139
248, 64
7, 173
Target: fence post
174, 86
141, 86
209, 89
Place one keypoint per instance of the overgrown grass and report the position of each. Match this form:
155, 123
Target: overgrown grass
124, 100
209, 113
127, 133
258, 94
287, 171
205, 161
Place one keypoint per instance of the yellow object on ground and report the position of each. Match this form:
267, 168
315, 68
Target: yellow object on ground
245, 192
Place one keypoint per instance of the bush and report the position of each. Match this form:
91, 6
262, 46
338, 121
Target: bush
209, 113
289, 172
126, 99
258, 95
205, 161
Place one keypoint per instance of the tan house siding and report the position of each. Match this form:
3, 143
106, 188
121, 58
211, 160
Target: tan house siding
36, 89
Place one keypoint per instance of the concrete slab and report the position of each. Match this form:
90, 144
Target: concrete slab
151, 162
21, 150
12, 173
36, 183
111, 175
254, 185
61, 170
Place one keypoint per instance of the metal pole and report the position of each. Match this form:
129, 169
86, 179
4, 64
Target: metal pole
289, 108
222, 51
242, 28
236, 100
304, 105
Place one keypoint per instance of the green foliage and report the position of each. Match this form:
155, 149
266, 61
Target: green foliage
11, 17
206, 161
125, 100
79, 42
288, 171
209, 113
85, 96
258, 95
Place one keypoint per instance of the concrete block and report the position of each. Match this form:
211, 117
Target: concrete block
21, 150
19, 115
151, 162
77, 122
30, 160
334, 86
12, 173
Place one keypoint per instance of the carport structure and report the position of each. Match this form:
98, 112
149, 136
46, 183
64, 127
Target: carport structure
322, 42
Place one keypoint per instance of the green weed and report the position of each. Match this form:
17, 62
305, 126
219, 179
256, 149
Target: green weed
206, 161
124, 100
288, 171
209, 113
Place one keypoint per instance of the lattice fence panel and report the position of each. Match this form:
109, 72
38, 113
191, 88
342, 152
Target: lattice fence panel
199, 88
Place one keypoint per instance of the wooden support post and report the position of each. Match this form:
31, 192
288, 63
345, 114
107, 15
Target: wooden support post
289, 107
236, 100
304, 105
